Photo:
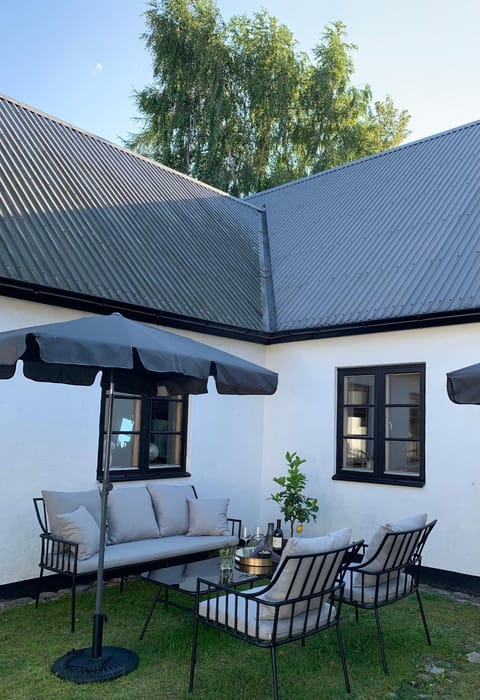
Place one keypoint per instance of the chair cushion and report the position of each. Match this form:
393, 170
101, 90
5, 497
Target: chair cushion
170, 506
81, 528
130, 515
68, 501
398, 586
247, 617
306, 581
409, 523
207, 516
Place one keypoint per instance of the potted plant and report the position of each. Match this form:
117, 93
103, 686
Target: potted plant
294, 505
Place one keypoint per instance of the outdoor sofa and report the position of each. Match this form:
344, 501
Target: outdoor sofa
148, 527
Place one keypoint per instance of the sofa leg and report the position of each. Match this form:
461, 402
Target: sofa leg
39, 588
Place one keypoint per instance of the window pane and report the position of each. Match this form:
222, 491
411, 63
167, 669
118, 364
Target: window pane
358, 421
166, 416
402, 422
359, 389
402, 457
126, 415
165, 450
403, 388
125, 451
358, 454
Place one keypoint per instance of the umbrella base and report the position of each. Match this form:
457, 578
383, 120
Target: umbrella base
79, 666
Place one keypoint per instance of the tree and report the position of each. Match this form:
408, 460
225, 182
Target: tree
236, 105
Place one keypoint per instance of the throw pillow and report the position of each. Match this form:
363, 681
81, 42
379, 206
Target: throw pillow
80, 528
171, 508
296, 580
207, 516
130, 515
68, 501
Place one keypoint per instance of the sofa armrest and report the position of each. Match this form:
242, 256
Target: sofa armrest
235, 526
58, 555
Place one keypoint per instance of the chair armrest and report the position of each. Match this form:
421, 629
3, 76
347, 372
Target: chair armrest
58, 555
236, 526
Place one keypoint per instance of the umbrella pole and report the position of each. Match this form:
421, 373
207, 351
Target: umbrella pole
99, 617
99, 663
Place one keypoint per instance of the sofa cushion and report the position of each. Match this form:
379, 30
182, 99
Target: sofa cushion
307, 578
130, 515
170, 506
411, 522
80, 528
68, 501
207, 516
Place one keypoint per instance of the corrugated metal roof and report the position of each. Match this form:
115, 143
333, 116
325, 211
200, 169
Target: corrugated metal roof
390, 236
82, 215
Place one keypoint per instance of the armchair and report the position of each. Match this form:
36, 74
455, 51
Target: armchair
389, 571
297, 603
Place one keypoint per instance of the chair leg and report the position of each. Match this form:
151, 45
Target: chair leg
341, 648
72, 626
194, 654
274, 672
380, 640
424, 619
39, 588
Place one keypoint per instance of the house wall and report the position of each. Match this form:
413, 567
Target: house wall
301, 417
50, 441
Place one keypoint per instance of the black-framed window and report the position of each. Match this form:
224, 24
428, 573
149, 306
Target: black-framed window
381, 424
149, 437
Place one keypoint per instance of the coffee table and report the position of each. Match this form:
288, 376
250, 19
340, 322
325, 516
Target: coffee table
183, 578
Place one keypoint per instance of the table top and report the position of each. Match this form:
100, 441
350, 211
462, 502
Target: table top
184, 576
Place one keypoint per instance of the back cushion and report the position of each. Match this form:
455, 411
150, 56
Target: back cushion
380, 561
57, 502
130, 515
306, 580
171, 507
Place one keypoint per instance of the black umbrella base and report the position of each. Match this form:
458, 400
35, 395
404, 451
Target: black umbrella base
79, 666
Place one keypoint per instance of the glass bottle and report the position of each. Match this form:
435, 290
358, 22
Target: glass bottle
268, 542
277, 539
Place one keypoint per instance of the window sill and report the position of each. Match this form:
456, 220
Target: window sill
135, 476
364, 479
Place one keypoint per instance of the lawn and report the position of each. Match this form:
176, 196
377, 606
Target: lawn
30, 640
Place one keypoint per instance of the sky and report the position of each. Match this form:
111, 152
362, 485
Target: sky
82, 60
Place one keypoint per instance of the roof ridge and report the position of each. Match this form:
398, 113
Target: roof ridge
124, 149
352, 163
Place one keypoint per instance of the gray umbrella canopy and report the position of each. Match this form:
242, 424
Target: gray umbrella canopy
143, 357
463, 385
132, 357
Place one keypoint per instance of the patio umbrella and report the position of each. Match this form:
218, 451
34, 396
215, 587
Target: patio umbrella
463, 385
132, 357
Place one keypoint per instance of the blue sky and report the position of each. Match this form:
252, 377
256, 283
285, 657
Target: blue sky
81, 60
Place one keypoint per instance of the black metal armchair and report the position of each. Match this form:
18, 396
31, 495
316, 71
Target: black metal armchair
388, 573
297, 603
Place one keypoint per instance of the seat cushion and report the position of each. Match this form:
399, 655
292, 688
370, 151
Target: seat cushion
80, 527
207, 516
246, 616
409, 523
130, 515
170, 506
307, 580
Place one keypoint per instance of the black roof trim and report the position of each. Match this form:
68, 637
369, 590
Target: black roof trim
69, 300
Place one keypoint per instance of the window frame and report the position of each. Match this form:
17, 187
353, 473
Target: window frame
144, 471
379, 475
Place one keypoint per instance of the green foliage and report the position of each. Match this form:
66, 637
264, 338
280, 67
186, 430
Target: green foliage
293, 503
236, 105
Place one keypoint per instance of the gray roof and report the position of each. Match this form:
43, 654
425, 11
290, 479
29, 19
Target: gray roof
393, 238
84, 216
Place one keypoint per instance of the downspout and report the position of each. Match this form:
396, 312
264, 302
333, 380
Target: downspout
266, 280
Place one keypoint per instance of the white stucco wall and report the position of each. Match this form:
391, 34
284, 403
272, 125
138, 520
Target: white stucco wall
50, 441
301, 417
237, 444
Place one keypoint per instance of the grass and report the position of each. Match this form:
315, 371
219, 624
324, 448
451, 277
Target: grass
30, 640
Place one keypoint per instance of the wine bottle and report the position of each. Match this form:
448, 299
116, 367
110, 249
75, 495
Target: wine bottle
268, 542
277, 541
